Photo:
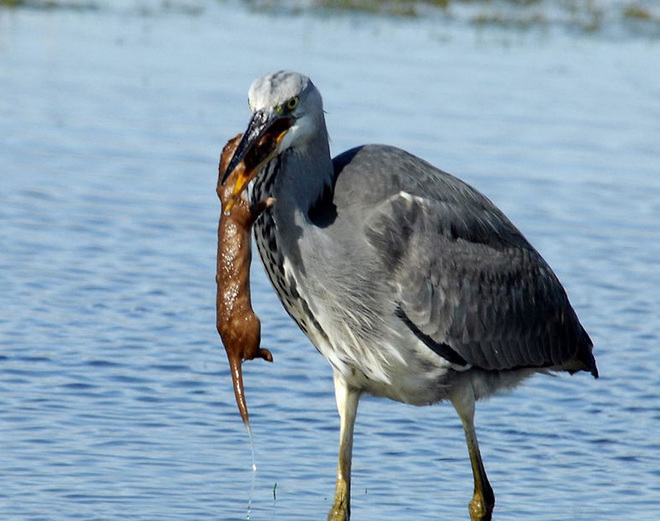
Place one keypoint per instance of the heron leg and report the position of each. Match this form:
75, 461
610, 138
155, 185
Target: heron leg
483, 499
347, 405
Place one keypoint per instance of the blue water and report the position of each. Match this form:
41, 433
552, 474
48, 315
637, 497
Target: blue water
115, 396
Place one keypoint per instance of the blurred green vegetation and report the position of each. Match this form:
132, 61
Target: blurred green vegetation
636, 16
584, 15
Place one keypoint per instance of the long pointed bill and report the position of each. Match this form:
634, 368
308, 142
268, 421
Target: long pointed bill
256, 128
263, 129
260, 143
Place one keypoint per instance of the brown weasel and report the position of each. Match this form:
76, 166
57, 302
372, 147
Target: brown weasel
237, 324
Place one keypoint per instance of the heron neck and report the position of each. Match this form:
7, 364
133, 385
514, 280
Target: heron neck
306, 173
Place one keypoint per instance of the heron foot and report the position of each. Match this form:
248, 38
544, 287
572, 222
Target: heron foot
341, 508
339, 511
481, 506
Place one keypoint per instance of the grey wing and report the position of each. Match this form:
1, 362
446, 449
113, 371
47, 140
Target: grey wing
469, 285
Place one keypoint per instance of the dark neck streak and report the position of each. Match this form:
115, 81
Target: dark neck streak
300, 193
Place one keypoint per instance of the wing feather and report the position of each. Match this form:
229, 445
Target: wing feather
461, 273
466, 279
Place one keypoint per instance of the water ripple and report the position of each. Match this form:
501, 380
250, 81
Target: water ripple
116, 395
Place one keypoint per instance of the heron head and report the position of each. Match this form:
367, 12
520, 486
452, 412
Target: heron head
286, 107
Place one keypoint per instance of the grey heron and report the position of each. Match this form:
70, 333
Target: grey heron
412, 284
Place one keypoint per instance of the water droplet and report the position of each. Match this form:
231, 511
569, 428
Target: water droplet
254, 471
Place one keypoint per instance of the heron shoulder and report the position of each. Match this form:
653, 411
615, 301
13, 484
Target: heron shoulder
389, 186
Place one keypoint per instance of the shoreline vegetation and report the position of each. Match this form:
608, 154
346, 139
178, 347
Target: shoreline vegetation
631, 17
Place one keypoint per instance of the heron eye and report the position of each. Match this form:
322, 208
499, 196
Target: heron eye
292, 103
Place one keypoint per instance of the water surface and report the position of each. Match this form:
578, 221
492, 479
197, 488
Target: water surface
115, 396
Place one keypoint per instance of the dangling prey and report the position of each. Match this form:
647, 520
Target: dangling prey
238, 325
